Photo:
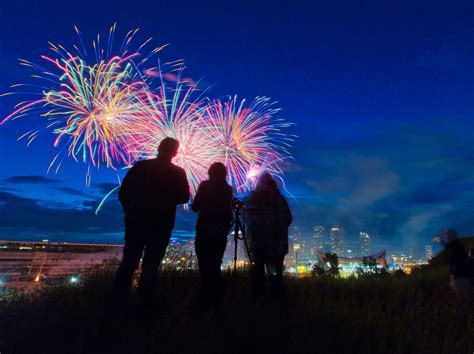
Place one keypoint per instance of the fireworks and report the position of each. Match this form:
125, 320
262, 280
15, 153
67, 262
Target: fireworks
106, 113
250, 139
91, 108
246, 138
177, 112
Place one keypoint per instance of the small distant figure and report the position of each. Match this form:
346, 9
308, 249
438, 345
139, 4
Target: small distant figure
470, 262
459, 269
149, 194
213, 202
268, 217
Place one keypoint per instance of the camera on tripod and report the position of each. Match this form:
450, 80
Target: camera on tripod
237, 204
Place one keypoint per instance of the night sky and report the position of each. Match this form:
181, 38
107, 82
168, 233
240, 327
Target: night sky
381, 94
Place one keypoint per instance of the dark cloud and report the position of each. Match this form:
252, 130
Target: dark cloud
30, 180
27, 218
402, 186
105, 187
25, 214
73, 191
8, 189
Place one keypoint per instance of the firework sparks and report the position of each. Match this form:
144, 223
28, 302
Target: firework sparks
249, 137
91, 108
177, 112
106, 113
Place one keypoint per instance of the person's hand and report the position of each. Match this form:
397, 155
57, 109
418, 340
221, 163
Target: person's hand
436, 239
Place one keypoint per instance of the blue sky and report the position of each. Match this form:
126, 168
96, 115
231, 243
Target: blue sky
381, 94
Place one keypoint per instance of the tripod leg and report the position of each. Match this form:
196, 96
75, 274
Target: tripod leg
247, 249
236, 241
235, 255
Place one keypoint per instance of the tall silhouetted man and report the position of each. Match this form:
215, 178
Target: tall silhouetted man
149, 194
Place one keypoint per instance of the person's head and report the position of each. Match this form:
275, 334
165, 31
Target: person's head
266, 182
217, 172
450, 234
168, 147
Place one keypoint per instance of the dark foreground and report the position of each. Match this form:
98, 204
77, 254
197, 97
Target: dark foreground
411, 314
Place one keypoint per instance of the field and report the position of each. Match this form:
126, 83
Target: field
395, 314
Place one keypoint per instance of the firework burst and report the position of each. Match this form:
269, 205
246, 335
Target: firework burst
177, 112
250, 138
90, 108
104, 112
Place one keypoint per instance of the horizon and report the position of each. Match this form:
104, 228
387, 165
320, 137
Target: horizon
382, 105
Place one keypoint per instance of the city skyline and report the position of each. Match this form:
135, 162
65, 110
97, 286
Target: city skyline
382, 110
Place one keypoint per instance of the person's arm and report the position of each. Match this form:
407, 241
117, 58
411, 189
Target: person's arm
287, 211
182, 192
250, 209
196, 206
128, 185
228, 203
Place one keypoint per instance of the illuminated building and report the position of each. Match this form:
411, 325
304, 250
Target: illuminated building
428, 252
336, 240
296, 252
364, 239
318, 237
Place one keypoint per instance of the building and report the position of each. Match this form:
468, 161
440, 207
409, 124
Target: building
364, 240
428, 252
318, 237
336, 240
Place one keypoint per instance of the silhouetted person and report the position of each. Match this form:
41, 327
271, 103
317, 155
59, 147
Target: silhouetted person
458, 264
213, 202
268, 217
149, 194
470, 262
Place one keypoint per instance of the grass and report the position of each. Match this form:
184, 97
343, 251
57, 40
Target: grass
410, 314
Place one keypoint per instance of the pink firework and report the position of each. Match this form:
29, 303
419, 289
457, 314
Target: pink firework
177, 112
249, 137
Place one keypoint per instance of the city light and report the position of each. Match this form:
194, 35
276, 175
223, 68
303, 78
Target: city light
74, 279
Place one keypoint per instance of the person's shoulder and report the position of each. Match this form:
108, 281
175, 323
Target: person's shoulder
281, 195
252, 194
140, 164
204, 183
177, 168
177, 171
145, 162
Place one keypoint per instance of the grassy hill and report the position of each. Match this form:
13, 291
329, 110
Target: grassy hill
404, 314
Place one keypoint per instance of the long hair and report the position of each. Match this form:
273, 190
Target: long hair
266, 182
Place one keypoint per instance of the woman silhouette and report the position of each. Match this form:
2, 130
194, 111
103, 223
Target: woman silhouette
268, 217
213, 202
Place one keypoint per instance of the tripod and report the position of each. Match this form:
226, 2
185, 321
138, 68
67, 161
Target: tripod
238, 227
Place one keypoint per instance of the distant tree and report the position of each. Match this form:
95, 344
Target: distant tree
328, 267
318, 271
333, 260
370, 268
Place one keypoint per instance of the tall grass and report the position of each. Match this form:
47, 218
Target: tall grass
411, 314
